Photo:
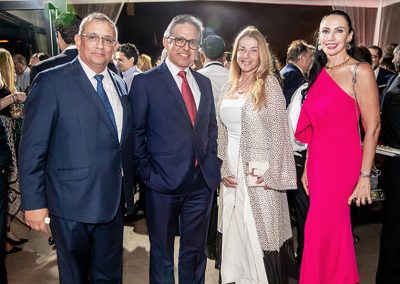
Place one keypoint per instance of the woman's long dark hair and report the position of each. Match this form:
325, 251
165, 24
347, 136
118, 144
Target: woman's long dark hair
320, 57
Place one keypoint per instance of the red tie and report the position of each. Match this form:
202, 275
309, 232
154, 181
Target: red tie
188, 97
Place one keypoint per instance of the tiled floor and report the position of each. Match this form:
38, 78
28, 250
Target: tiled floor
37, 262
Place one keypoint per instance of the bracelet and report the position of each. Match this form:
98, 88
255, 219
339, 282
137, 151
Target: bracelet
365, 174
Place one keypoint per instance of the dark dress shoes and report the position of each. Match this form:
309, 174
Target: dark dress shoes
16, 243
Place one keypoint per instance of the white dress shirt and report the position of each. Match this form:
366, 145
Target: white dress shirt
129, 74
111, 92
218, 75
189, 76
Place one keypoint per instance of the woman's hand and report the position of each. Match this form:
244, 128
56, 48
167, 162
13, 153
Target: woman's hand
21, 96
362, 192
304, 181
229, 181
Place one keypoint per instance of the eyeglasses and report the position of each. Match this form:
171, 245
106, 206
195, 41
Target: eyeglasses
94, 38
181, 42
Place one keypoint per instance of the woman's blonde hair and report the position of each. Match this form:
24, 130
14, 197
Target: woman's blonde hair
7, 70
265, 67
144, 62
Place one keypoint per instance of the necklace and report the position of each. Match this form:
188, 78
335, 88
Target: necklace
338, 65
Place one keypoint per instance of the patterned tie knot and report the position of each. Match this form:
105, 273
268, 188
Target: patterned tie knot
182, 74
99, 78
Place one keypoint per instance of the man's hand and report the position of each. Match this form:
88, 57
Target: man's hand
35, 219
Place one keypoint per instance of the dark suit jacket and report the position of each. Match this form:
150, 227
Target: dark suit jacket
391, 115
292, 80
62, 58
70, 159
384, 76
165, 144
5, 153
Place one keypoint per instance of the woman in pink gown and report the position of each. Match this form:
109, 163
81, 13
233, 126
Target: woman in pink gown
337, 168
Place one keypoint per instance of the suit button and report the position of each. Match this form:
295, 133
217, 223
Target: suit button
119, 172
121, 149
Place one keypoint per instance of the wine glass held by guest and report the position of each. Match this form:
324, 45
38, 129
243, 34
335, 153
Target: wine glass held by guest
253, 129
338, 168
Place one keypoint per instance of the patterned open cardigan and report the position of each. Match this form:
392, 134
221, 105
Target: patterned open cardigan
264, 137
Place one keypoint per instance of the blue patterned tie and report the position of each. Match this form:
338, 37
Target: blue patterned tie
104, 99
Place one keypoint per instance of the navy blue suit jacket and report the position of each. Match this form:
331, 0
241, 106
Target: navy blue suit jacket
70, 159
384, 76
165, 144
292, 80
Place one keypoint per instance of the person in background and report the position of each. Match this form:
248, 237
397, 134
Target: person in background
387, 61
212, 55
126, 57
36, 58
75, 157
23, 72
257, 242
144, 62
227, 59
5, 161
66, 26
212, 51
382, 75
389, 262
328, 121
175, 153
11, 117
299, 58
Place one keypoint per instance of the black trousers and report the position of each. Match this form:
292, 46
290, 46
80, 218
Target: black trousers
389, 255
299, 199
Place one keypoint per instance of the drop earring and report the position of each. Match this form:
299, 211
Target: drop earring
348, 46
319, 47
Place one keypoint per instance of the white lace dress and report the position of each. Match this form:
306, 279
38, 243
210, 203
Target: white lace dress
242, 255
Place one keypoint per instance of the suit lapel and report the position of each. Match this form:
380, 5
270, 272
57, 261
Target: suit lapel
170, 83
87, 89
123, 97
203, 91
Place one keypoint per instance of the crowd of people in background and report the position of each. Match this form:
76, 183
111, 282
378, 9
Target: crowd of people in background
223, 147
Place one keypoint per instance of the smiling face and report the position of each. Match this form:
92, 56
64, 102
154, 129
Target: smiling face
182, 57
248, 57
96, 55
334, 34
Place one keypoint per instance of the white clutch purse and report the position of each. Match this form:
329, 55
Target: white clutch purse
255, 170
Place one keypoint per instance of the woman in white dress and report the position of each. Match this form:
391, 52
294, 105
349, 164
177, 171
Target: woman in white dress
252, 123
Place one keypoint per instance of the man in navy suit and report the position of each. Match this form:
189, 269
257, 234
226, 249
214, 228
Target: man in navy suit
75, 159
175, 153
382, 75
66, 26
299, 57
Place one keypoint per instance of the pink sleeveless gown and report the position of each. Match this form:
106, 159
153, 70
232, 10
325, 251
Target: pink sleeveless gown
328, 123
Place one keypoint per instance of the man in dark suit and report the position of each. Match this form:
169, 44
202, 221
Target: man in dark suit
5, 160
299, 57
66, 26
389, 261
175, 153
75, 159
382, 75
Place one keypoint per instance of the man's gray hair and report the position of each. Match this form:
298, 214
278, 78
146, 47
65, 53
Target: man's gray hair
184, 19
98, 17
